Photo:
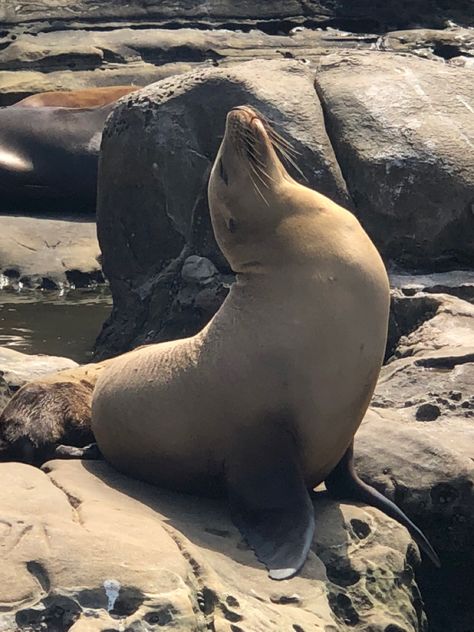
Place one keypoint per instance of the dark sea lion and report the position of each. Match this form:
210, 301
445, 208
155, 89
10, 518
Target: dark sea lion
50, 153
85, 98
266, 399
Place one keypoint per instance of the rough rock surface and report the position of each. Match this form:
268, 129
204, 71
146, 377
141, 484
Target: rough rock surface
403, 131
48, 253
142, 559
169, 133
423, 408
224, 12
36, 57
18, 368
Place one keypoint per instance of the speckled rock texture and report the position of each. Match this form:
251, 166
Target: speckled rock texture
416, 444
142, 559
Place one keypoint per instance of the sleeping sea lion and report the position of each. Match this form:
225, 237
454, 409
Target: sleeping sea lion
50, 416
50, 153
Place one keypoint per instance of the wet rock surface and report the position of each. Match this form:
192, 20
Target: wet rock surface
139, 558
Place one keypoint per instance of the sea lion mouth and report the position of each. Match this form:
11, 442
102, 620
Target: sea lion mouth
258, 143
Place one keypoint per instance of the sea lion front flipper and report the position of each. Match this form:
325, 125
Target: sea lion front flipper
269, 501
343, 482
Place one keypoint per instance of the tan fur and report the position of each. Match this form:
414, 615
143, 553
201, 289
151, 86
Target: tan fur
300, 338
85, 98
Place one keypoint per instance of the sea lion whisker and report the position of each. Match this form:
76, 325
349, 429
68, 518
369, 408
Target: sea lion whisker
254, 169
289, 159
280, 140
256, 187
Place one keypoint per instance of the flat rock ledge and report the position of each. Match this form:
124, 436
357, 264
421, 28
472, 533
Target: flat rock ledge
85, 548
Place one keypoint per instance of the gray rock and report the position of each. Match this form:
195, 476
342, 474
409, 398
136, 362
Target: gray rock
403, 133
459, 283
454, 44
48, 253
198, 270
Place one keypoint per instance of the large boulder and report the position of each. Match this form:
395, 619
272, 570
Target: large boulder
143, 559
403, 132
157, 150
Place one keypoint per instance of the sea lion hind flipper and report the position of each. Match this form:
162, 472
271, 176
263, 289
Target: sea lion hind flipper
87, 452
344, 482
269, 502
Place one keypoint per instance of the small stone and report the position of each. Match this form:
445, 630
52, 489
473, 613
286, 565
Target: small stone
198, 270
428, 412
455, 395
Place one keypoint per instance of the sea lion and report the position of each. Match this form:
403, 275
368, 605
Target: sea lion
265, 400
85, 98
50, 417
50, 153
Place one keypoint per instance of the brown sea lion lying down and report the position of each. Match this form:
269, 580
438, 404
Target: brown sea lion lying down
85, 98
52, 411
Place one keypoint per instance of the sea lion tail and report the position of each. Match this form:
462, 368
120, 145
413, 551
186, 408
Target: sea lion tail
343, 482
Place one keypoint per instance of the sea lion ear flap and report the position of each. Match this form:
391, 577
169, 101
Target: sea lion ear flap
269, 501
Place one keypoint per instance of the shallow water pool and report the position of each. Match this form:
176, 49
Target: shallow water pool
54, 323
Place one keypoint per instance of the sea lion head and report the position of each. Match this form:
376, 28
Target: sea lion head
249, 188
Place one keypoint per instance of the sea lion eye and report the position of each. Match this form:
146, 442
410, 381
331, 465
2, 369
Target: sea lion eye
232, 225
222, 172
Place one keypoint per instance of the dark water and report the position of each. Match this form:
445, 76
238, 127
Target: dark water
53, 323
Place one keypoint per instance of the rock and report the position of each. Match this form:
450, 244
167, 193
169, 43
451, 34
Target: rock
403, 131
18, 368
459, 283
167, 135
273, 15
48, 253
198, 270
416, 445
454, 45
140, 558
